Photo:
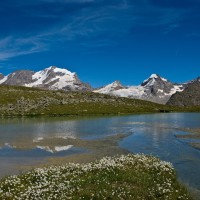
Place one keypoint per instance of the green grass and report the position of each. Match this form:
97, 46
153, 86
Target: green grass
130, 177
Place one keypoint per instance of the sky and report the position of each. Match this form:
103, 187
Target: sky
102, 40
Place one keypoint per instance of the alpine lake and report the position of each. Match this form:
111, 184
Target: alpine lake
26, 143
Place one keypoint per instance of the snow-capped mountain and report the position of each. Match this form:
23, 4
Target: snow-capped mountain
53, 78
155, 89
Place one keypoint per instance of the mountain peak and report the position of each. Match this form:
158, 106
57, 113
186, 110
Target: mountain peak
114, 86
153, 79
58, 70
53, 78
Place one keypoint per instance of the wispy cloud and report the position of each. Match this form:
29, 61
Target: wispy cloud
87, 24
12, 47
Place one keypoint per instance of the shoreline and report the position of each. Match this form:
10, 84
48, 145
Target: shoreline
91, 115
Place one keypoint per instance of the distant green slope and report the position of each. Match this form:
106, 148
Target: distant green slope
16, 101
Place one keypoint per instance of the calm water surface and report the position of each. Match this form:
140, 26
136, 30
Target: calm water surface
152, 134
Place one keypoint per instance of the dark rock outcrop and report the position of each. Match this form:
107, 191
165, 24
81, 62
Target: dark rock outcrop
189, 97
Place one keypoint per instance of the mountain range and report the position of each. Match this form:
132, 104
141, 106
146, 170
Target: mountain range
155, 89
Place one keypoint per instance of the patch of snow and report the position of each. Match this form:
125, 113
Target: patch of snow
154, 76
63, 81
133, 91
168, 94
63, 71
13, 74
151, 82
53, 79
176, 88
63, 148
161, 91
39, 77
164, 79
4, 79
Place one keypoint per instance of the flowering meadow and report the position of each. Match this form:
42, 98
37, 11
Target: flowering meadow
121, 177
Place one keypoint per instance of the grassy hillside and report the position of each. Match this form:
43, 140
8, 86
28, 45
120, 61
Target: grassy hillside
31, 101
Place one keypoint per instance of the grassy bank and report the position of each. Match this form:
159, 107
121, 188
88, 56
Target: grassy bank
125, 177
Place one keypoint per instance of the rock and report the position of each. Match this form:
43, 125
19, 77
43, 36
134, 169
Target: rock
189, 97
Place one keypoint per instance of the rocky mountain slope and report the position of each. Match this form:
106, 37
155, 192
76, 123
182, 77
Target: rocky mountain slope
155, 89
52, 78
189, 97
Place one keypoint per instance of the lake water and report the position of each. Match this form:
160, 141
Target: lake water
151, 134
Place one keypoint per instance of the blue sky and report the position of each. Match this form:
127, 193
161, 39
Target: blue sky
102, 40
